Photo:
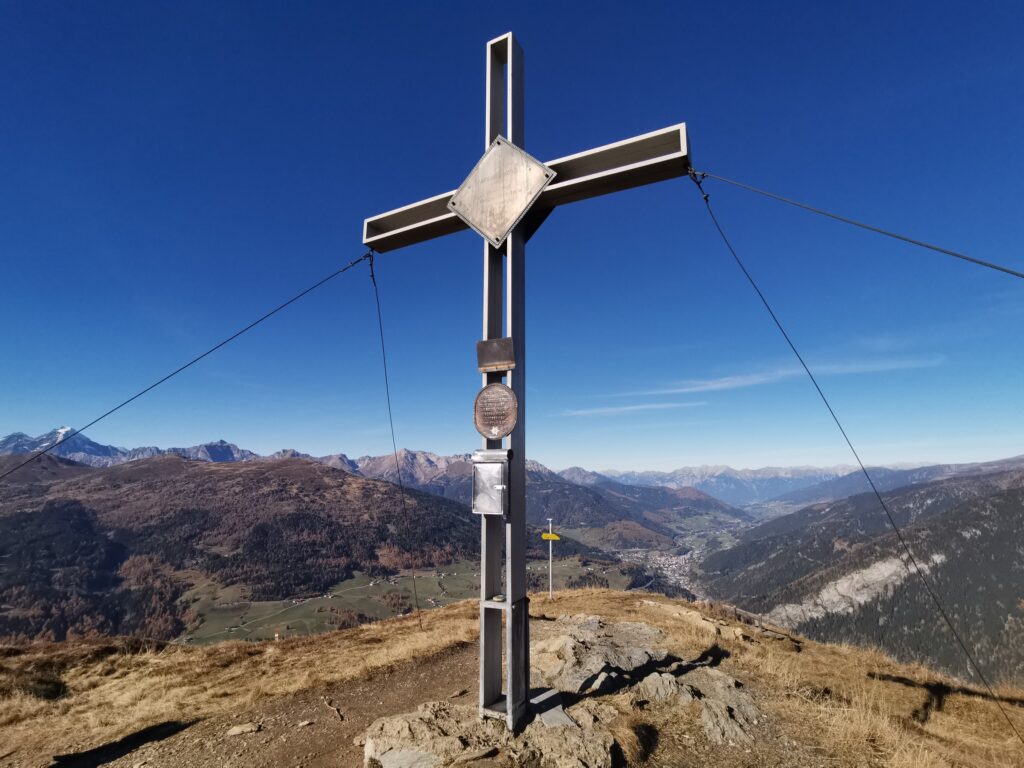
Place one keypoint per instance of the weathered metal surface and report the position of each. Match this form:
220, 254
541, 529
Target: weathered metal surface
495, 411
500, 190
490, 488
495, 355
646, 159
517, 658
503, 115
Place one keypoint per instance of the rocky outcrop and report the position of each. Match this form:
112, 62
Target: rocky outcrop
586, 653
728, 712
662, 687
589, 657
847, 593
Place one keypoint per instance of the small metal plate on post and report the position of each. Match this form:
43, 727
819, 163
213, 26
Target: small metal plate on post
495, 411
490, 488
500, 190
494, 355
490, 484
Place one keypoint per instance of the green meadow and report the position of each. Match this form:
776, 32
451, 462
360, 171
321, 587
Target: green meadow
225, 614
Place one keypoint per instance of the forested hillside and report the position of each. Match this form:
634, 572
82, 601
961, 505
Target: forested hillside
837, 571
110, 550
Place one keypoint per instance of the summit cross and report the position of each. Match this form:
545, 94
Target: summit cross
505, 199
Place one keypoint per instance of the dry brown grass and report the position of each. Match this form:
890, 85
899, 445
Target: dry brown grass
114, 689
634, 737
822, 698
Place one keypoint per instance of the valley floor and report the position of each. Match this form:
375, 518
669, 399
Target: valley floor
225, 614
109, 703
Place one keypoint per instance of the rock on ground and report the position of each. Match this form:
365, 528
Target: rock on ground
728, 711
238, 730
443, 734
662, 687
586, 647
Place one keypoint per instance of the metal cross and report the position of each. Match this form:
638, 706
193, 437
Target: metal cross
645, 159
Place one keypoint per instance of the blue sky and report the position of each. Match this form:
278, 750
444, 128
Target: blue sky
169, 171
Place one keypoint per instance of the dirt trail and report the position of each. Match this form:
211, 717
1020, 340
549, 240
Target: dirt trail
327, 740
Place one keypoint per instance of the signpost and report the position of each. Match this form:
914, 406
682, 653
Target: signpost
506, 197
551, 537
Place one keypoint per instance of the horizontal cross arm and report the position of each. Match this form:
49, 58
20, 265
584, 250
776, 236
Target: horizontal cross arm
646, 159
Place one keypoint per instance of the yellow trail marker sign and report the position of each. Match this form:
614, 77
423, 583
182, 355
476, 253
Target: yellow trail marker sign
550, 536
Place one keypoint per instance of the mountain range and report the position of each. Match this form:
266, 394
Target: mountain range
85, 451
887, 478
627, 515
116, 549
112, 548
639, 516
740, 487
446, 475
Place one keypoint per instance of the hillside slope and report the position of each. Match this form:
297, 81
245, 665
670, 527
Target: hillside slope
33, 478
124, 705
111, 550
836, 571
637, 515
548, 495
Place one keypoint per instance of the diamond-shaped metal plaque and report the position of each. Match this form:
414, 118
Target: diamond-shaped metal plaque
500, 190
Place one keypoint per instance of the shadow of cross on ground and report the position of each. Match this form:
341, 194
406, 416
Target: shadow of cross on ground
108, 753
938, 692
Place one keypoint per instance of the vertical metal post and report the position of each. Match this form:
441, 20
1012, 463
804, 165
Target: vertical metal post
518, 623
491, 528
551, 543
504, 112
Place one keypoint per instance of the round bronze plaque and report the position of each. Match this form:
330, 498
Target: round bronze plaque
495, 411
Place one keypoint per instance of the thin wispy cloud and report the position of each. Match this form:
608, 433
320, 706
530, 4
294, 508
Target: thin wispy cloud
877, 366
614, 410
775, 375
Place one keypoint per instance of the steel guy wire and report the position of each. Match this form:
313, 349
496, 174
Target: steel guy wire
892, 521
391, 421
694, 174
189, 364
